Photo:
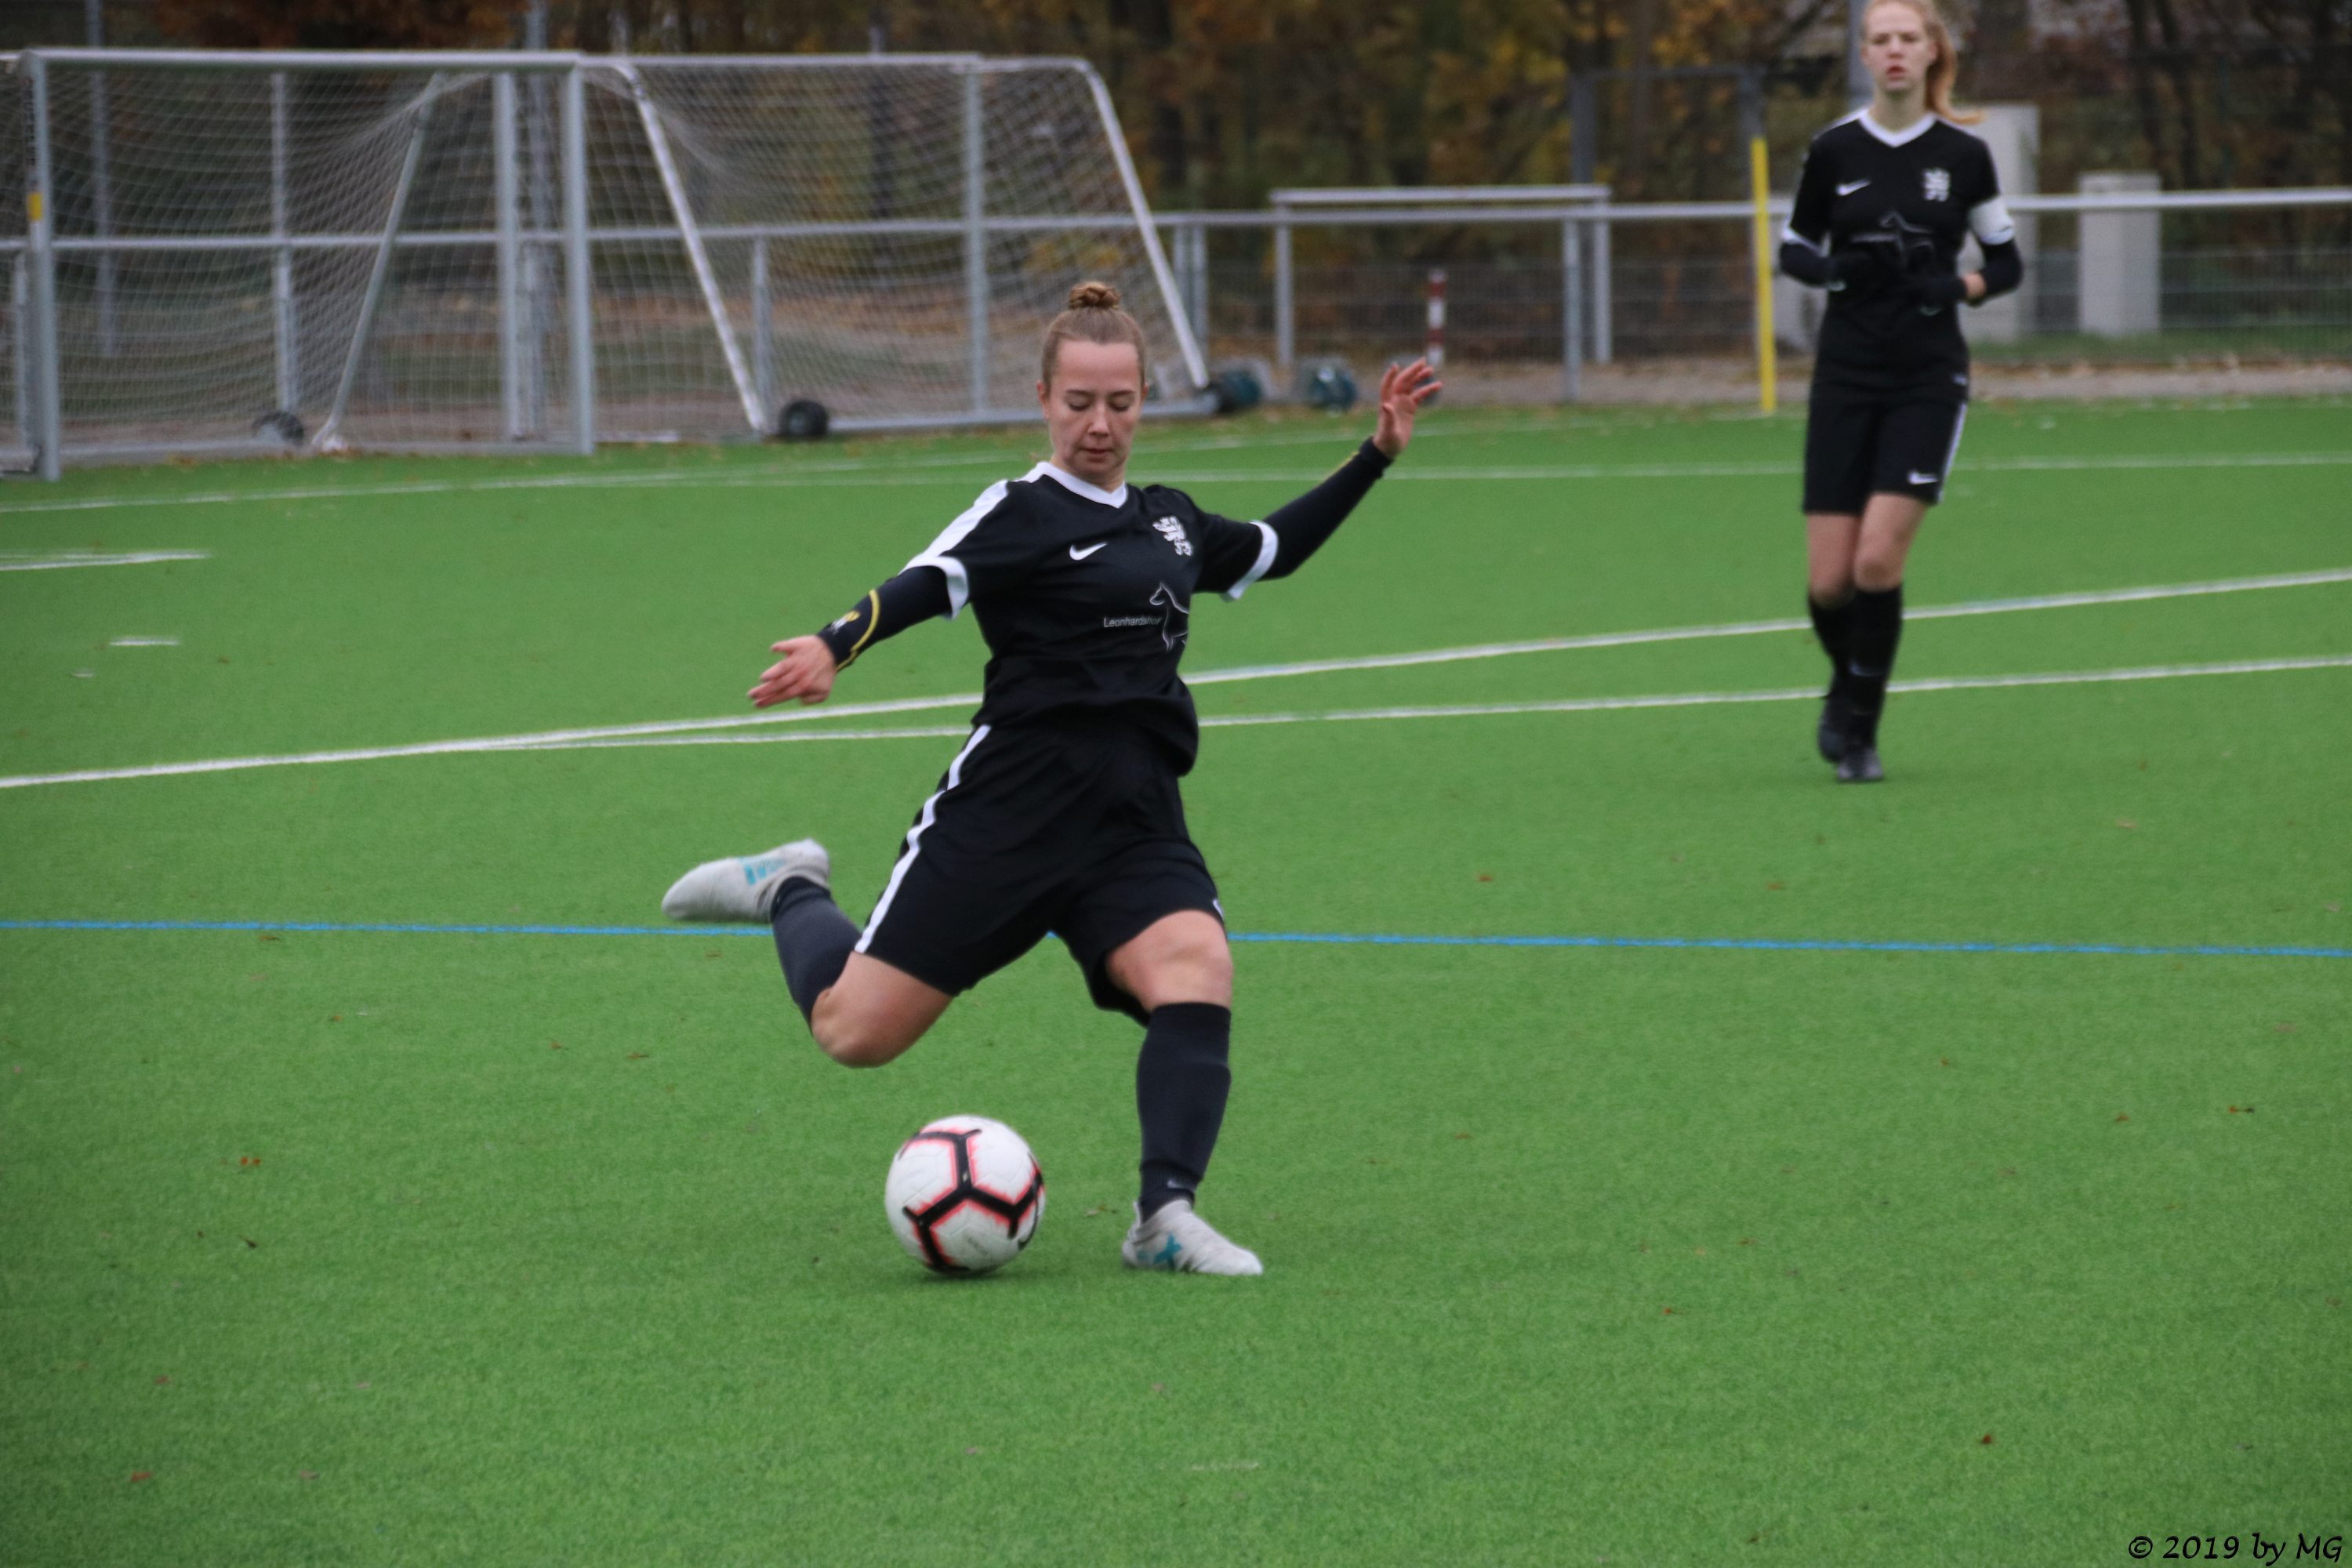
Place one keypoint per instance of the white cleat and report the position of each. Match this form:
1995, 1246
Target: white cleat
741, 887
1181, 1242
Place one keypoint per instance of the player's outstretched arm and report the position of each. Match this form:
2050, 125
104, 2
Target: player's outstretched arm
805, 673
1301, 526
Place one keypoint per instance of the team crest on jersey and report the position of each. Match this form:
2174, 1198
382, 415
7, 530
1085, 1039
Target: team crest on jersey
1939, 184
1173, 532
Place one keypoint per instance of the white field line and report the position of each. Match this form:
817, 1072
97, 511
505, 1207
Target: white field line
144, 642
568, 739
60, 559
540, 740
894, 474
1564, 705
1752, 628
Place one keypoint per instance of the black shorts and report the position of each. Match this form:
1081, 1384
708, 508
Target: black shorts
1036, 830
1861, 441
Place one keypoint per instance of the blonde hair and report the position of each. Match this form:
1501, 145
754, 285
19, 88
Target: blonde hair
1946, 67
1093, 317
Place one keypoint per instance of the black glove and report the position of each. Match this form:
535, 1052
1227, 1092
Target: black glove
1867, 263
1934, 291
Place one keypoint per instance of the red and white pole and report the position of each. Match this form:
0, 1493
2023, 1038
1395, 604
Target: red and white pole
1435, 350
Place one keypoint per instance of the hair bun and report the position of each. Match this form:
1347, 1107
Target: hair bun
1094, 296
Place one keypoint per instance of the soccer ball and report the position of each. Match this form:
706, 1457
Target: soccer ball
965, 1194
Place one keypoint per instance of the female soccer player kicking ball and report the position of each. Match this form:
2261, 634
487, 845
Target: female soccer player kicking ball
1062, 812
1887, 198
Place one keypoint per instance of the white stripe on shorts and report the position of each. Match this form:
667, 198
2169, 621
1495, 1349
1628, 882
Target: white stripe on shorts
915, 838
1952, 454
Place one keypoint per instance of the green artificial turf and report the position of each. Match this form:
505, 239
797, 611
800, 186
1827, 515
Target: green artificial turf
350, 1246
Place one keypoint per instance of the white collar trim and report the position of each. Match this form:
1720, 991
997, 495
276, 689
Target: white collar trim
1908, 135
1078, 487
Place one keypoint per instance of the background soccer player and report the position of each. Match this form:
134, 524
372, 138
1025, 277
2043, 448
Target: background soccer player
1885, 201
1062, 812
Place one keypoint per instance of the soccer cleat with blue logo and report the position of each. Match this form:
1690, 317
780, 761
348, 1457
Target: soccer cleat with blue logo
742, 887
1181, 1242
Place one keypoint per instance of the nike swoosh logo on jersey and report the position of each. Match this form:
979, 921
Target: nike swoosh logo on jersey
1919, 479
1078, 555
1849, 189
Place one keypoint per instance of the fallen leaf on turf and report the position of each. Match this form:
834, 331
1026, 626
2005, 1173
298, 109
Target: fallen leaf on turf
1459, 1136
1986, 1439
334, 1018
1158, 1388
248, 1241
163, 1379
1746, 1241
1775, 887
142, 1474
1668, 1313
2334, 908
636, 1055
2126, 822
2241, 1109
555, 1044
1484, 878
2121, 1116
1098, 1208
268, 936
967, 1451
307, 1474
361, 1385
2283, 1028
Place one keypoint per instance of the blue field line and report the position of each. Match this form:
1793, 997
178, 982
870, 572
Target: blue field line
1330, 938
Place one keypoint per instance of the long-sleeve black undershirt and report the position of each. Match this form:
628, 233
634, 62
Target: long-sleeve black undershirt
1300, 528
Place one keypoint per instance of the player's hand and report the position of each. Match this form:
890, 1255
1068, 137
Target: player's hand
1403, 389
805, 674
1869, 262
1932, 291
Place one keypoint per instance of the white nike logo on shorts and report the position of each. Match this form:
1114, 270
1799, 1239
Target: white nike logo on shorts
1919, 479
1848, 190
1078, 555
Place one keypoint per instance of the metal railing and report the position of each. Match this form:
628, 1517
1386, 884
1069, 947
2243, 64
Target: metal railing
1589, 276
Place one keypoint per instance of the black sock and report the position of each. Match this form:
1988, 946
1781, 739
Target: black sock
1833, 624
814, 939
1180, 1081
1870, 655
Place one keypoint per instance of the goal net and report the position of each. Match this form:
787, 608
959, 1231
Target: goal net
381, 251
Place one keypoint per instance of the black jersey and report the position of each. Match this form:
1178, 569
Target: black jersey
1085, 596
1932, 176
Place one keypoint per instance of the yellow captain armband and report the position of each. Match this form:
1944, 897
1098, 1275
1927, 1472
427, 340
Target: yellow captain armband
842, 657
